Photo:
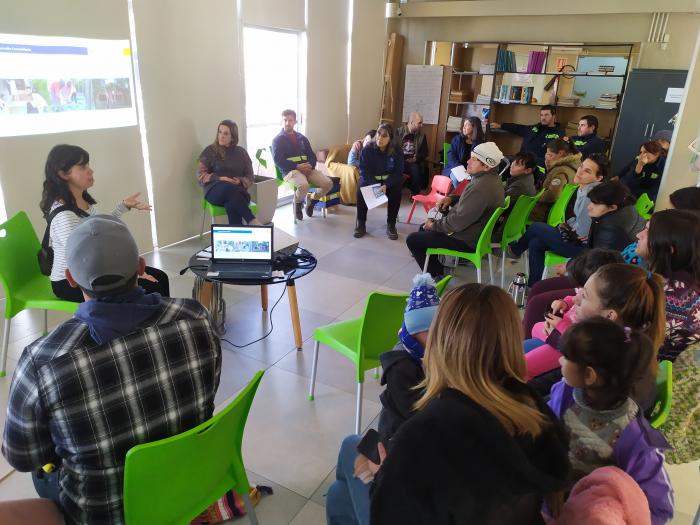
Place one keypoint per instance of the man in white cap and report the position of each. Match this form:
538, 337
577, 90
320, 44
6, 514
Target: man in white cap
461, 226
129, 368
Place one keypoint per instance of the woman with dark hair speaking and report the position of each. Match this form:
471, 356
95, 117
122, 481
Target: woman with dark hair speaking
225, 173
471, 134
68, 178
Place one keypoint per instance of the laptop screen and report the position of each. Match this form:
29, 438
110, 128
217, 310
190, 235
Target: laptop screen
241, 243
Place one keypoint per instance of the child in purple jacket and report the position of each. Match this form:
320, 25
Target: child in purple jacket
601, 362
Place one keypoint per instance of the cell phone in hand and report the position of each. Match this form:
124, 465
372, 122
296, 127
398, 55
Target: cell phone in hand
548, 311
368, 446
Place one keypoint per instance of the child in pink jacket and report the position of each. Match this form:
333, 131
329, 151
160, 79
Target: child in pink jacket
541, 354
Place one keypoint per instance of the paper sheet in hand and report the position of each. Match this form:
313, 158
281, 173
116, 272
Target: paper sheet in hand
460, 173
373, 196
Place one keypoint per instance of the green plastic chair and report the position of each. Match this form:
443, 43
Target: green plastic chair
217, 211
664, 390
445, 151
282, 182
363, 339
515, 225
483, 246
557, 213
643, 205
24, 284
171, 481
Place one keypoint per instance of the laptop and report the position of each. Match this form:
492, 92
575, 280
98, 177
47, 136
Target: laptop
241, 252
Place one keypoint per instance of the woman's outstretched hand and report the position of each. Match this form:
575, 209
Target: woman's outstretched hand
133, 202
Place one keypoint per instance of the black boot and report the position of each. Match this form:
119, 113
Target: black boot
297, 211
360, 230
311, 203
391, 231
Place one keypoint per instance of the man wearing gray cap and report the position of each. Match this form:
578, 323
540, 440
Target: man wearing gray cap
129, 368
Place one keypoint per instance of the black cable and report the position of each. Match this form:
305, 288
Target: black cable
272, 325
194, 267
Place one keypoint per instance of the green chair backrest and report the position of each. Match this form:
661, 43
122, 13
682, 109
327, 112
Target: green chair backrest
664, 390
643, 205
441, 285
483, 245
173, 480
557, 213
517, 218
18, 258
381, 321
445, 151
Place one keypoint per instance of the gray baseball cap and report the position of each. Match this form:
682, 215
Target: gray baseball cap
102, 246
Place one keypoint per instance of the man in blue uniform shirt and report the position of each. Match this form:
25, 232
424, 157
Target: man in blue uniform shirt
587, 141
536, 136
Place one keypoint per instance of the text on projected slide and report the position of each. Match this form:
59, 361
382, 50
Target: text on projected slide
54, 84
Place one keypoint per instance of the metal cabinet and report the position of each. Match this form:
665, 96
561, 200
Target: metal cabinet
645, 110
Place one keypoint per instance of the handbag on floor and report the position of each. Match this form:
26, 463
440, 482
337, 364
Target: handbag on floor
229, 506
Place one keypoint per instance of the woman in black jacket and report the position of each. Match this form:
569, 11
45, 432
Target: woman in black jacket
643, 174
615, 221
381, 162
483, 447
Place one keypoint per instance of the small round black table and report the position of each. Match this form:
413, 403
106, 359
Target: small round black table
208, 289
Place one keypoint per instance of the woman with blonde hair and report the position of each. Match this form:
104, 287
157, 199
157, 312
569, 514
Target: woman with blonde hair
482, 447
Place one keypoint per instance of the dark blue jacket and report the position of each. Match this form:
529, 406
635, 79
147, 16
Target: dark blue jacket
374, 163
287, 155
588, 145
647, 181
459, 152
535, 138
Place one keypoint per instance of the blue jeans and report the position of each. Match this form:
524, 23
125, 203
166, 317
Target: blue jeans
531, 344
538, 239
234, 198
347, 501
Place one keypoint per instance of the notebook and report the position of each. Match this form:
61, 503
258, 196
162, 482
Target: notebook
241, 252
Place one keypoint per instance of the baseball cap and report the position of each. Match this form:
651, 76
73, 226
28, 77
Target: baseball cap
101, 246
663, 134
488, 153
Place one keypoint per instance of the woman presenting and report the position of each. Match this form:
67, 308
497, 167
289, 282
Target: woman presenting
68, 178
225, 173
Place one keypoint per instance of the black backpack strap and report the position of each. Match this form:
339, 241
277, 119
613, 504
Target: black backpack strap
64, 207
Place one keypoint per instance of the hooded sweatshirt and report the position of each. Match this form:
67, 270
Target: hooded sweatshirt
112, 317
453, 462
559, 175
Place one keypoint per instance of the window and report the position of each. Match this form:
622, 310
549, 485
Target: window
274, 63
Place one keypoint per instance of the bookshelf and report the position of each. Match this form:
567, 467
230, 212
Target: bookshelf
509, 81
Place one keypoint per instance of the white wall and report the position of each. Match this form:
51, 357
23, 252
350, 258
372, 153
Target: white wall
115, 154
191, 78
369, 40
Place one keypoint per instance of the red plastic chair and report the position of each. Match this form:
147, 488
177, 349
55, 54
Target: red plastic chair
438, 189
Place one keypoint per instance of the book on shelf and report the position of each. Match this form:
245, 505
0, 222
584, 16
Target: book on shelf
454, 123
505, 61
536, 61
516, 93
607, 101
569, 101
483, 99
487, 69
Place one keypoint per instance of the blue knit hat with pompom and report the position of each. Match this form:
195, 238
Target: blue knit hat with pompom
422, 303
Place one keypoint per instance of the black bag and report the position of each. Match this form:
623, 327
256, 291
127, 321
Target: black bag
45, 253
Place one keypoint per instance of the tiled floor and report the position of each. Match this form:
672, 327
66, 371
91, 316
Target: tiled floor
291, 443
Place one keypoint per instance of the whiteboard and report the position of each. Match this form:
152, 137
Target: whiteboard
421, 93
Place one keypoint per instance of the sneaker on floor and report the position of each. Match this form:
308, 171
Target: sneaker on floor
311, 204
360, 231
391, 231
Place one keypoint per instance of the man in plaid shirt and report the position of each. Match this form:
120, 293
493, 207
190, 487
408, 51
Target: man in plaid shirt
129, 368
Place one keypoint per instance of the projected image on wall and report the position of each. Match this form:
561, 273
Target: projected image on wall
51, 84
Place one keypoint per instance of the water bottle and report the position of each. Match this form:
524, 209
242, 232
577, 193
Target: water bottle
517, 289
